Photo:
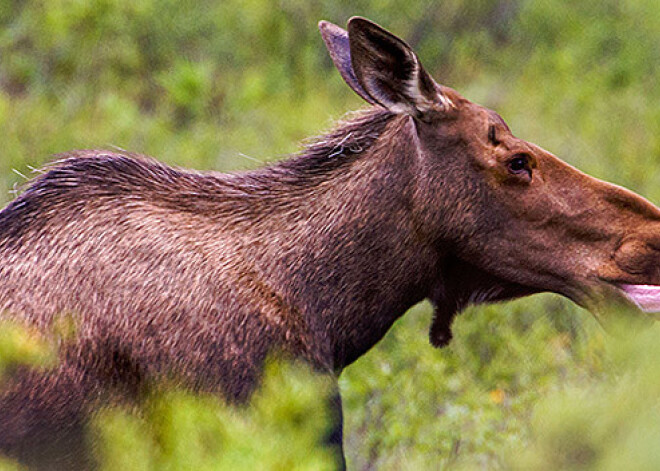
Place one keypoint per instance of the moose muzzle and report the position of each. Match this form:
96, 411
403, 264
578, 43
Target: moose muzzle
639, 257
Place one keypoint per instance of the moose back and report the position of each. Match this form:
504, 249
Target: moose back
170, 273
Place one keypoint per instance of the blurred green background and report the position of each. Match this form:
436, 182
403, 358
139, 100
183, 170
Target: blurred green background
228, 85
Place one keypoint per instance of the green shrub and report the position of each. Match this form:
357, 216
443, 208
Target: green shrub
283, 428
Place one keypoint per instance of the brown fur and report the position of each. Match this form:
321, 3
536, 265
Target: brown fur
196, 277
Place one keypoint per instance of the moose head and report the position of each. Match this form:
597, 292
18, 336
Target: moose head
513, 218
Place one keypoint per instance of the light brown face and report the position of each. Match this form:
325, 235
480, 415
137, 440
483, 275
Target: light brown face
556, 228
528, 221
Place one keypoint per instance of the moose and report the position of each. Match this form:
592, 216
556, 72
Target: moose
201, 276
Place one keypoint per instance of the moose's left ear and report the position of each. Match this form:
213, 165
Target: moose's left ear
336, 40
390, 72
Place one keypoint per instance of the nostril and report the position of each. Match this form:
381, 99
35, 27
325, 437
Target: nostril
637, 257
654, 243
650, 235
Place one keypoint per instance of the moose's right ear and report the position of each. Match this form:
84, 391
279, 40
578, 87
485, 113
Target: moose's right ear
336, 40
390, 72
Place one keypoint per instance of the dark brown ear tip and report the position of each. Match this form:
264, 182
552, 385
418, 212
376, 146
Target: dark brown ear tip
357, 20
359, 27
359, 23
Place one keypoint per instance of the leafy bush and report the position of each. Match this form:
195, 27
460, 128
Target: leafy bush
604, 423
282, 429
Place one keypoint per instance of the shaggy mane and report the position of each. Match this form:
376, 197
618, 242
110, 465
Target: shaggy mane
325, 153
78, 177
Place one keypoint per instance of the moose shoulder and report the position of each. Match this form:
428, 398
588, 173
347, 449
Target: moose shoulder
200, 276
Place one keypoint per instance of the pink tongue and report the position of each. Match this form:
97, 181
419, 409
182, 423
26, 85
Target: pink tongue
647, 297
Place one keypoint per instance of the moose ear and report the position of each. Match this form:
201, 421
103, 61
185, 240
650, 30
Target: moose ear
336, 40
390, 72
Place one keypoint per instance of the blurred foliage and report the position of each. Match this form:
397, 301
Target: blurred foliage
282, 429
20, 346
462, 406
227, 85
605, 423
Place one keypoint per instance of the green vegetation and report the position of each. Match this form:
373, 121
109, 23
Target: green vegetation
533, 384
281, 430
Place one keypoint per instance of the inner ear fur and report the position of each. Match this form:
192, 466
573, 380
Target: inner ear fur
389, 71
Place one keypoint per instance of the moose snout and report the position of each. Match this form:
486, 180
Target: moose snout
634, 269
638, 257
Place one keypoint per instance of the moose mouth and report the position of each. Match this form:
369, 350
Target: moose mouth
646, 297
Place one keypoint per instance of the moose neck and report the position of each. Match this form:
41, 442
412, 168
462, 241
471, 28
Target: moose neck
348, 255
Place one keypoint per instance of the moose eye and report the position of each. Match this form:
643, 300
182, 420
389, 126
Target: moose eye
519, 164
